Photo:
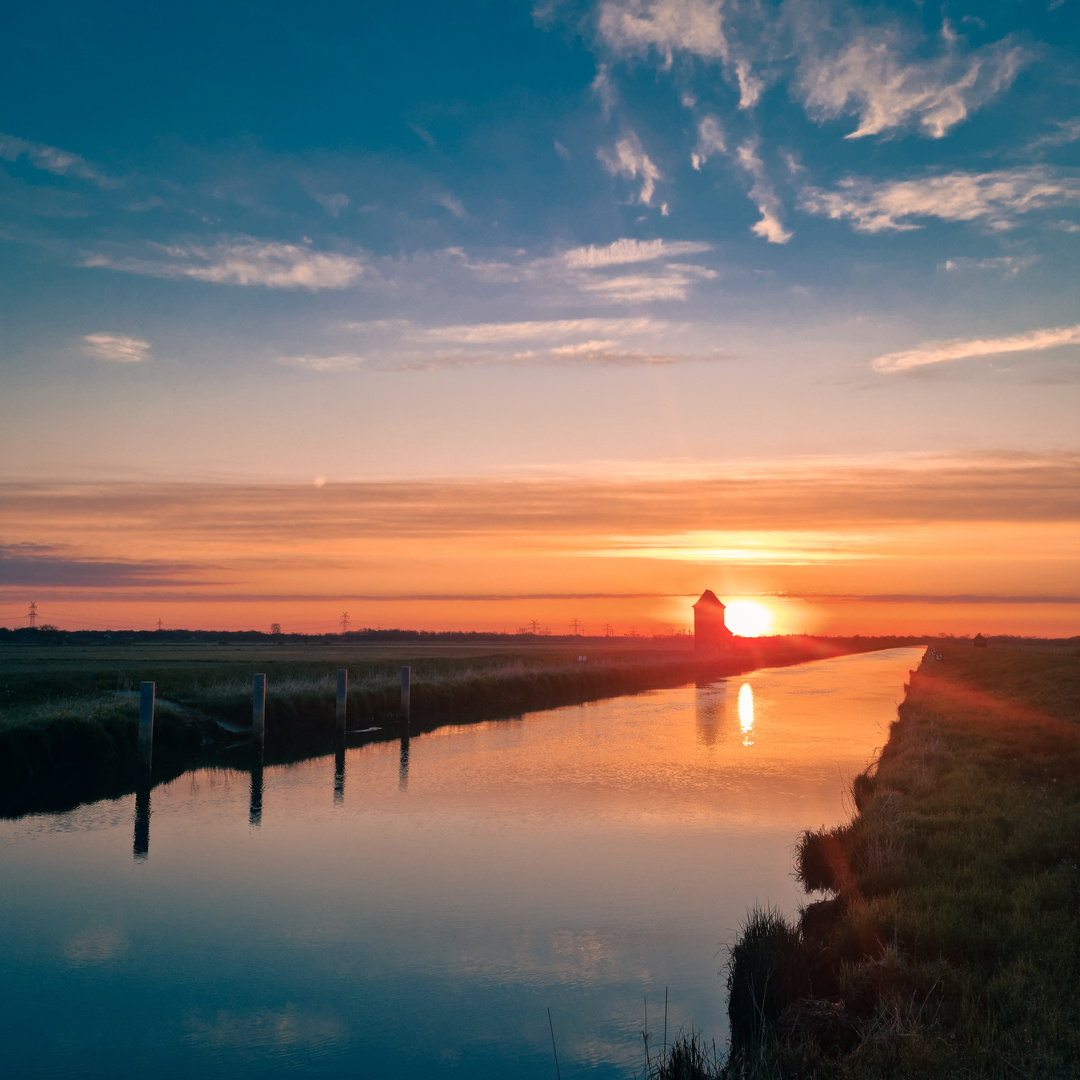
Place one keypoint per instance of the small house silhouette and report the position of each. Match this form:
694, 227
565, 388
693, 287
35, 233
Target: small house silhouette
710, 632
979, 642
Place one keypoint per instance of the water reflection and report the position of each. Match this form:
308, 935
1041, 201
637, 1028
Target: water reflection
403, 763
339, 769
141, 846
709, 707
255, 803
746, 713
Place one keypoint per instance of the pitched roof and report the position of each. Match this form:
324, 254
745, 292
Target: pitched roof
710, 599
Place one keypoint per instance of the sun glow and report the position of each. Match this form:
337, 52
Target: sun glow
747, 618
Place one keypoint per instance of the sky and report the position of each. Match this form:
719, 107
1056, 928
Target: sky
492, 314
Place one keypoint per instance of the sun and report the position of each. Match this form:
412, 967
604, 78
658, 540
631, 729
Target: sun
747, 618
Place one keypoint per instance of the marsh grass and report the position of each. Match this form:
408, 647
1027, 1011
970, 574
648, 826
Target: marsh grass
955, 932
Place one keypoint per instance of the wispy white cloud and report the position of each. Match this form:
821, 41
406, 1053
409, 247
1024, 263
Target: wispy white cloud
588, 274
771, 225
552, 342
332, 204
116, 347
51, 159
242, 261
868, 78
624, 251
668, 26
672, 283
583, 354
750, 85
995, 198
323, 364
630, 161
1068, 131
542, 331
710, 141
940, 352
1006, 264
603, 87
451, 203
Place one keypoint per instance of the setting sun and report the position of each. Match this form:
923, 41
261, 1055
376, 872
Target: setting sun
747, 618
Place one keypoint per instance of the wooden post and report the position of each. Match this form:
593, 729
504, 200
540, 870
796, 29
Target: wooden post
258, 708
146, 724
342, 696
406, 693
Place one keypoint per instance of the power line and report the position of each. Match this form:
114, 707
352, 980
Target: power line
344, 622
32, 614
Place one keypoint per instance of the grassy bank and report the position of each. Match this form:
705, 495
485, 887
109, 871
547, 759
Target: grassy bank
950, 942
68, 714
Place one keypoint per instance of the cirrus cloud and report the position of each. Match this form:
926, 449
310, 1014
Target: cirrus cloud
241, 261
995, 198
940, 352
116, 347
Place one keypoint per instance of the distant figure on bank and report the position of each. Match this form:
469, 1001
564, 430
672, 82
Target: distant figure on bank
710, 632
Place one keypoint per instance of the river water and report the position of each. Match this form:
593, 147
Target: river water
413, 910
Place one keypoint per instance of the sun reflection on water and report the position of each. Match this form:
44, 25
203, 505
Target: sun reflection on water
746, 713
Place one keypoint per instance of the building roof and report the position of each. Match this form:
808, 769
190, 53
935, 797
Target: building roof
709, 599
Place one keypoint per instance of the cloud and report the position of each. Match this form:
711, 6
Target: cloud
622, 252
586, 353
58, 565
572, 276
555, 342
630, 161
710, 141
1007, 264
940, 352
604, 89
995, 198
450, 202
867, 78
323, 364
555, 329
1068, 131
332, 204
51, 159
124, 350
242, 261
671, 283
669, 26
771, 226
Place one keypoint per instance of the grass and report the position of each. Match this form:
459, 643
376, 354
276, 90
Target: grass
950, 946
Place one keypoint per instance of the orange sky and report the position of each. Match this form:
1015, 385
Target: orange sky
899, 544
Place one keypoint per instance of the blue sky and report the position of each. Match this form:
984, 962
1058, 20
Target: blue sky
630, 238
321, 203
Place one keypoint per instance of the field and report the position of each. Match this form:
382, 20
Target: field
950, 942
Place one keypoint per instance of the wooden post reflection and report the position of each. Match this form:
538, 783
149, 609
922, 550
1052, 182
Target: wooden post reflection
141, 846
256, 802
403, 764
339, 768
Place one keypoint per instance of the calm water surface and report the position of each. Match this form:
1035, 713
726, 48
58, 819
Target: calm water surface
414, 910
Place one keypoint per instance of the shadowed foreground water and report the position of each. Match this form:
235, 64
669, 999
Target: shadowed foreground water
413, 909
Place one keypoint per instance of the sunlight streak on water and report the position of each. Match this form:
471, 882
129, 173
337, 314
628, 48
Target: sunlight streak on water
746, 713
